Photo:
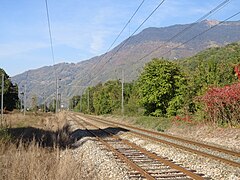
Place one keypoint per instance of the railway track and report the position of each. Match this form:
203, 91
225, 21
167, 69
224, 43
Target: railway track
142, 163
226, 156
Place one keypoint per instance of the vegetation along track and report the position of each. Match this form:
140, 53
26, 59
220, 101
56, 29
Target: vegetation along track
143, 164
224, 155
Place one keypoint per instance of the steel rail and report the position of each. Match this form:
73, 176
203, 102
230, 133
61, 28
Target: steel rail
233, 153
232, 163
120, 155
124, 158
151, 155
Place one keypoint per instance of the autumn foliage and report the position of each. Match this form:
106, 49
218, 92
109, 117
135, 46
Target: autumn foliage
237, 71
223, 104
185, 119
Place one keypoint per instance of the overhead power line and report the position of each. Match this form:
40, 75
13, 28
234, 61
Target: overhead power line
50, 33
128, 22
221, 22
126, 25
221, 5
52, 52
121, 46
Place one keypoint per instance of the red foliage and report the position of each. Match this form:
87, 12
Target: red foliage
186, 119
223, 104
237, 71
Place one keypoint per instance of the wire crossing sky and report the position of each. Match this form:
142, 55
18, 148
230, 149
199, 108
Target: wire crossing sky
84, 29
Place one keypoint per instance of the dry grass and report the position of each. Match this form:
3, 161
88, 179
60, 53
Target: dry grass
213, 134
38, 163
41, 120
24, 156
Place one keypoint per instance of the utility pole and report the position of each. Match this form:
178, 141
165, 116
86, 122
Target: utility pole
88, 100
44, 106
60, 100
57, 98
2, 98
72, 104
122, 92
44, 103
56, 95
20, 95
21, 99
24, 111
81, 103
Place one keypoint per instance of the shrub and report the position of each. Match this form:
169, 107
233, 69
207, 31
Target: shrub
222, 105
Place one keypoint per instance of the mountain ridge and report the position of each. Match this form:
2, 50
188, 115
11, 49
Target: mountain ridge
76, 76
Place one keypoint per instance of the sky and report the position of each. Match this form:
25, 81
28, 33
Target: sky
82, 29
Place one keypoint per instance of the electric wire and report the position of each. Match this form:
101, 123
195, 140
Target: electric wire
121, 46
214, 10
52, 52
126, 25
128, 22
221, 22
50, 33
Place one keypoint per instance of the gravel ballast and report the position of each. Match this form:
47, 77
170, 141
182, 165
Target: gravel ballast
102, 164
97, 162
208, 167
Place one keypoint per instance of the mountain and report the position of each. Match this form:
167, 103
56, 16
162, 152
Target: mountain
76, 77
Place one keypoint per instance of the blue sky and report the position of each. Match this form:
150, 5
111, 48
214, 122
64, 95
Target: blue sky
82, 29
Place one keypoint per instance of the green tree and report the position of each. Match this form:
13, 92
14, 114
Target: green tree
52, 105
213, 67
73, 103
34, 103
10, 92
131, 100
161, 88
107, 97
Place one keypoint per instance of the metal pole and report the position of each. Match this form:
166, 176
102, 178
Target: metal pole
57, 95
60, 100
88, 101
122, 92
44, 104
24, 111
81, 104
72, 104
2, 98
20, 102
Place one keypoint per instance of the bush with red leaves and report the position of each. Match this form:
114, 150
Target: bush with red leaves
222, 105
237, 71
182, 119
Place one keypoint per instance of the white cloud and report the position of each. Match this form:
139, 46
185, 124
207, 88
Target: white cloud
96, 44
10, 49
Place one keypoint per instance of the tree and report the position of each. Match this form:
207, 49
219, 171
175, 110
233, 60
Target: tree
52, 105
213, 67
107, 97
10, 92
73, 103
34, 103
131, 100
161, 88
